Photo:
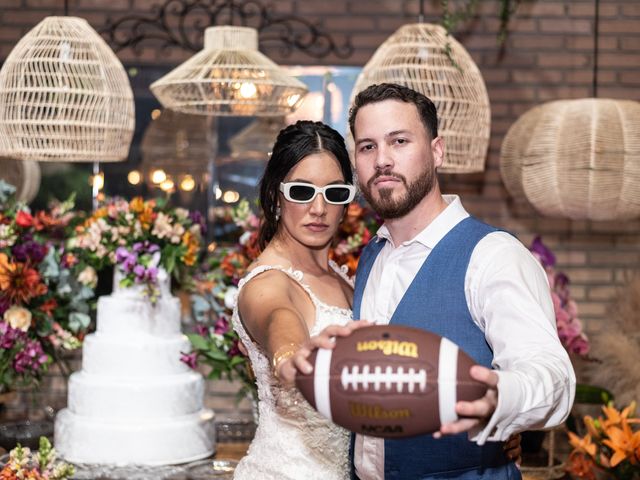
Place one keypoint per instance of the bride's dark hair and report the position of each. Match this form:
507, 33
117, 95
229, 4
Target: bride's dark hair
294, 143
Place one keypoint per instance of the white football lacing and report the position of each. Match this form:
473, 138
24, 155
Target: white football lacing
354, 377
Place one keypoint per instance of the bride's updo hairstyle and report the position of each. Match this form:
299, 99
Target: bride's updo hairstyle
295, 143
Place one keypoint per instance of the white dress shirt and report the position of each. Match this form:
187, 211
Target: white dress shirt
507, 293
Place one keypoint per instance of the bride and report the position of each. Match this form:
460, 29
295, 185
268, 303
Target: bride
291, 292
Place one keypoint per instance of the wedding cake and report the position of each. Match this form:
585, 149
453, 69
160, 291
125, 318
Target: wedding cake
133, 401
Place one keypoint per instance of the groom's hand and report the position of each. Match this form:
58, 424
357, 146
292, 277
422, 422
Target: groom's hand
473, 415
325, 339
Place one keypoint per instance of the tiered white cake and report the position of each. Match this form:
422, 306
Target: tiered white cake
134, 402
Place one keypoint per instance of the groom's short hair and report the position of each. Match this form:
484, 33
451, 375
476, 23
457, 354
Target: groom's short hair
392, 91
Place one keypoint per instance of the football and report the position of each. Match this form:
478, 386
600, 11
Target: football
390, 381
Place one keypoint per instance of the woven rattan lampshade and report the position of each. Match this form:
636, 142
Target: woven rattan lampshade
256, 140
64, 96
24, 175
415, 56
230, 77
178, 143
577, 159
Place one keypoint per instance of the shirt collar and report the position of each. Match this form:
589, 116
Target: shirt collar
453, 214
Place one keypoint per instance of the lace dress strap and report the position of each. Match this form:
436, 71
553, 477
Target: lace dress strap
343, 271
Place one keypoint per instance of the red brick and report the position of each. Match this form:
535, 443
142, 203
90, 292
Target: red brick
349, 24
537, 42
49, 4
602, 293
492, 75
630, 43
566, 60
383, 7
122, 5
588, 10
571, 258
591, 309
513, 93
589, 275
614, 258
618, 26
586, 42
630, 10
318, 9
566, 26
541, 9
632, 77
537, 76
28, 18
548, 93
12, 3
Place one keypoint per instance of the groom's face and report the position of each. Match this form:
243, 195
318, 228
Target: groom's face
394, 156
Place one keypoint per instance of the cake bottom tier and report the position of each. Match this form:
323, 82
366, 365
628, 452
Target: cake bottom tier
164, 441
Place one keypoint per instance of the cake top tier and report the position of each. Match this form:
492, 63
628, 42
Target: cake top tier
163, 285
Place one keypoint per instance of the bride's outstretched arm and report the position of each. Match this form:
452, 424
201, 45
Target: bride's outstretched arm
298, 361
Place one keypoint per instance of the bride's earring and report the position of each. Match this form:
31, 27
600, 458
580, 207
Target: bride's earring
278, 213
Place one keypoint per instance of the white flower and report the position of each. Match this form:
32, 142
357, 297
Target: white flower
230, 297
244, 238
181, 213
18, 317
88, 277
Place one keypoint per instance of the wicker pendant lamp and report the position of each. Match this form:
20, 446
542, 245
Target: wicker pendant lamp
178, 144
415, 56
577, 159
254, 142
230, 77
25, 175
64, 96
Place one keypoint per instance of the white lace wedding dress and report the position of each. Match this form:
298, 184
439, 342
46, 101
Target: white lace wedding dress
292, 440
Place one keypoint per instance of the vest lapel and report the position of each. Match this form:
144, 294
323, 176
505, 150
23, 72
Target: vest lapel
368, 257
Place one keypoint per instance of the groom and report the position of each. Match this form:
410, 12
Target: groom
471, 283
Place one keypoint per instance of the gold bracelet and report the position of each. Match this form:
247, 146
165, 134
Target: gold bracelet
283, 353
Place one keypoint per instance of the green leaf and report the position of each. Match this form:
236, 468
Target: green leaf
592, 394
198, 341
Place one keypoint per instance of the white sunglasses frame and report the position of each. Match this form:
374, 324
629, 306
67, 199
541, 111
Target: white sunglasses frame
285, 188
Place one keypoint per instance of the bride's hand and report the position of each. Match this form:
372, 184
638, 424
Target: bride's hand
288, 369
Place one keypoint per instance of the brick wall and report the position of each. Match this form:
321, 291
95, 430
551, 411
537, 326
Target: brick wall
547, 56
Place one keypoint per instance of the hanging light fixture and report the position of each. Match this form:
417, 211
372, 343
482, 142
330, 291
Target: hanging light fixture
230, 77
177, 144
578, 159
64, 96
255, 141
24, 175
424, 57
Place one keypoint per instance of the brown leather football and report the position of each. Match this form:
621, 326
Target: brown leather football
390, 381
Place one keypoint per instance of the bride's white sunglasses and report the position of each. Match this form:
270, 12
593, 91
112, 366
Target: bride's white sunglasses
300, 192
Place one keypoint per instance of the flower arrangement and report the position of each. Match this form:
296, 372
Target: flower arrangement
215, 343
42, 465
138, 238
45, 299
569, 325
610, 448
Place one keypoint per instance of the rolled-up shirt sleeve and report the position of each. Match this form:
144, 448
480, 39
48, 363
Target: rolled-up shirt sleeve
509, 299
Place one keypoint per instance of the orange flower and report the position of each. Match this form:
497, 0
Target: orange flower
49, 306
193, 246
99, 213
136, 205
234, 264
581, 466
583, 444
147, 215
623, 441
19, 282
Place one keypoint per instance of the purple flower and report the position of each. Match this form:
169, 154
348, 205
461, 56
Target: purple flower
32, 357
29, 250
202, 330
145, 247
139, 272
152, 274
9, 336
540, 251
126, 259
197, 218
222, 326
190, 359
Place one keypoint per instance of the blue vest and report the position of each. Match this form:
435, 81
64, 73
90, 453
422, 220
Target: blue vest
435, 301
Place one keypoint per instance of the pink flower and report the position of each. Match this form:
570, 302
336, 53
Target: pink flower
190, 359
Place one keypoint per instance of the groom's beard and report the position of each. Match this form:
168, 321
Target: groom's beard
388, 207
